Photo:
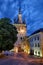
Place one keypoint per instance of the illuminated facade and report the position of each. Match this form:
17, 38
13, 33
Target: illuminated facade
21, 28
25, 45
21, 43
36, 43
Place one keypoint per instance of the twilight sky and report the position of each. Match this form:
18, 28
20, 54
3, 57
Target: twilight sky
32, 12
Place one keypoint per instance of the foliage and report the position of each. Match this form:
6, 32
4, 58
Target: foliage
8, 34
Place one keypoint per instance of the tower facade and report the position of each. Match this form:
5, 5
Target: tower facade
21, 28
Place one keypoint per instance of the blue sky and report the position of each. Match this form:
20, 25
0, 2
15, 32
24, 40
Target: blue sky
32, 12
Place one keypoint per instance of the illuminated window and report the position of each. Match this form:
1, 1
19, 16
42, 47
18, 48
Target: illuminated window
35, 52
38, 53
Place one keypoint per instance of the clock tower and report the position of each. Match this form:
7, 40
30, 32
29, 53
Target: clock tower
21, 28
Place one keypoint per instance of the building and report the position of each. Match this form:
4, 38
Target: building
21, 28
36, 43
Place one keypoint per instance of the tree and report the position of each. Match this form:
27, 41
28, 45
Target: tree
8, 34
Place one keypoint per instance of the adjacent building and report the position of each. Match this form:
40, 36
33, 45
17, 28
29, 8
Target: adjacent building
36, 43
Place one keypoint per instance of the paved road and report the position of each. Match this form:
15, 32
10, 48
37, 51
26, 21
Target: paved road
13, 61
19, 60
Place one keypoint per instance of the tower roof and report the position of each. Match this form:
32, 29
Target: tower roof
19, 18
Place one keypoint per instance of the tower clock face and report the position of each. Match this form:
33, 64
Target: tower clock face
22, 30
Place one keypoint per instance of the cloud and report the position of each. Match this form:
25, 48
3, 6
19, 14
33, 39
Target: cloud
32, 12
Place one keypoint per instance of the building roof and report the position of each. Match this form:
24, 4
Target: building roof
37, 31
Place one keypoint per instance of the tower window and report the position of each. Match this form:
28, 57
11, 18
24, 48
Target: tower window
21, 38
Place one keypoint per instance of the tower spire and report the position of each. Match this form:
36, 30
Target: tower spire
20, 15
19, 6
